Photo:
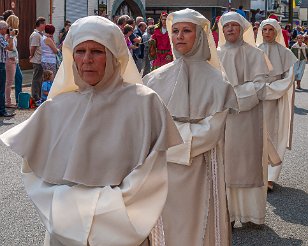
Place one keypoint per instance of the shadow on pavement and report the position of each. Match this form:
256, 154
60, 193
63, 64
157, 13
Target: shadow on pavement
251, 234
289, 204
300, 111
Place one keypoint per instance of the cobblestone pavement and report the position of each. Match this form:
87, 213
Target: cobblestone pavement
286, 219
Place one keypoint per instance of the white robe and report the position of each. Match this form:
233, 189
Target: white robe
80, 216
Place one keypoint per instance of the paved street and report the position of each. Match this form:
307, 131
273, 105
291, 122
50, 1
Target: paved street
287, 207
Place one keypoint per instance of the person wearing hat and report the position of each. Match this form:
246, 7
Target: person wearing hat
246, 68
160, 48
193, 89
95, 160
279, 92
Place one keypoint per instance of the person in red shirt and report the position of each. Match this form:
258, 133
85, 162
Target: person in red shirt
215, 30
161, 41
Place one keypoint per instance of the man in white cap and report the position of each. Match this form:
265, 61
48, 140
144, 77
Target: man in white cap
246, 69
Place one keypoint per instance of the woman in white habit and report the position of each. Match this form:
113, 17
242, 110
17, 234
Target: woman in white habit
279, 92
94, 162
246, 162
198, 99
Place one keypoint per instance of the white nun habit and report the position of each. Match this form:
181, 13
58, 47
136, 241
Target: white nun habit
246, 68
95, 156
198, 99
278, 94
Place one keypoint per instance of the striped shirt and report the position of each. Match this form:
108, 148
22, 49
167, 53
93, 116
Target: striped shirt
3, 45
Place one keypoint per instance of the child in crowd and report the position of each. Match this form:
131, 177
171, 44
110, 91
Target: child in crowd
46, 85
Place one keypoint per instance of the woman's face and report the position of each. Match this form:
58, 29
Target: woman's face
90, 59
163, 21
232, 31
183, 36
268, 33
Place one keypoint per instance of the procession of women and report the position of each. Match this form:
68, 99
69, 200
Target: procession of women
182, 156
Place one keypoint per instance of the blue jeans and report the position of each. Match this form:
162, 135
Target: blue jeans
2, 88
18, 82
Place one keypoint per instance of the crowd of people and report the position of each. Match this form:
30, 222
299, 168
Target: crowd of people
176, 161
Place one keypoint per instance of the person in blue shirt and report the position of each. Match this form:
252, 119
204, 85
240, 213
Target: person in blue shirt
46, 85
241, 11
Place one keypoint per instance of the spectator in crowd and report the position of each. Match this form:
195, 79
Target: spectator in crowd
35, 57
5, 45
121, 22
160, 43
255, 32
257, 24
48, 77
139, 52
49, 50
138, 20
63, 32
127, 31
258, 16
241, 11
11, 63
300, 50
135, 39
215, 30
18, 73
146, 61
150, 21
7, 13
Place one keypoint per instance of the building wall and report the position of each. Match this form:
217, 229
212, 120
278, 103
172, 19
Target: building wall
303, 14
58, 15
92, 6
43, 9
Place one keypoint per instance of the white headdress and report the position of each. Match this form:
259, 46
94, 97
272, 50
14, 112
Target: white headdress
248, 35
103, 31
189, 15
279, 37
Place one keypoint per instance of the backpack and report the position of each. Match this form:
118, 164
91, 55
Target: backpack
24, 100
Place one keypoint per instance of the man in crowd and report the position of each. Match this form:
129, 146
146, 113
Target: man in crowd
139, 53
35, 58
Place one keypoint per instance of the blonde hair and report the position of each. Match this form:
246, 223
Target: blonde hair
13, 21
47, 75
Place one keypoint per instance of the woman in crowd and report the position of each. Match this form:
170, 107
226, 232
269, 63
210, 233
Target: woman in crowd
246, 69
278, 94
49, 49
161, 44
96, 172
198, 99
11, 63
300, 50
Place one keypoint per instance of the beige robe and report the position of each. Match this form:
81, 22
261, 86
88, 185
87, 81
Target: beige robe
245, 159
196, 208
279, 102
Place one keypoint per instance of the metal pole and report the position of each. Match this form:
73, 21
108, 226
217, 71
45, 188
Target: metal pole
265, 9
291, 13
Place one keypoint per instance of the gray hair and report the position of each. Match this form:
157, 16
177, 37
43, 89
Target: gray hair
3, 25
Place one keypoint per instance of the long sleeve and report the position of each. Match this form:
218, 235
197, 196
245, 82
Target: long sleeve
115, 216
278, 88
198, 138
250, 93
